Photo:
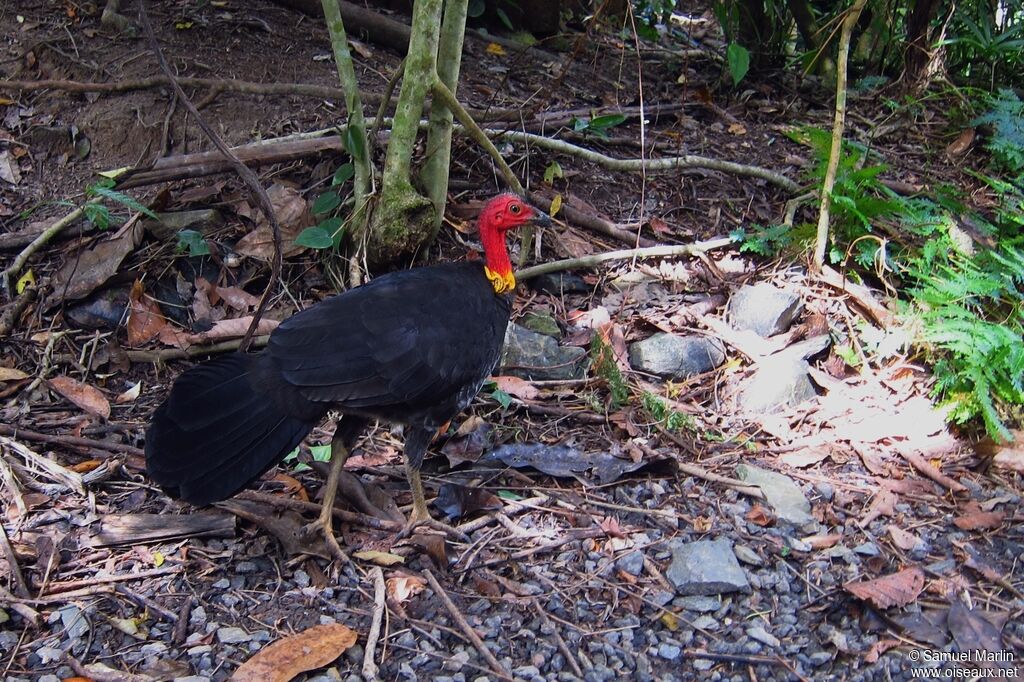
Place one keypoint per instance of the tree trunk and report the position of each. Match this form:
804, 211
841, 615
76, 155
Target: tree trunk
918, 56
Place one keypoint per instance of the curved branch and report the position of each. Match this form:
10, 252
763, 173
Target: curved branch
624, 254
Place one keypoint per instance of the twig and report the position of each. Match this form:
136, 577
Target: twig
45, 236
146, 603
22, 609
9, 479
369, 667
244, 172
702, 473
923, 466
62, 596
54, 471
860, 294
572, 536
497, 667
298, 505
165, 354
20, 586
667, 163
25, 434
13, 311
74, 585
838, 124
566, 652
624, 254
594, 223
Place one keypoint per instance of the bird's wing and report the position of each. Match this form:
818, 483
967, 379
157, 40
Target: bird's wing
411, 339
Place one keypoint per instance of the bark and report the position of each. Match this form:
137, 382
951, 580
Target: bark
918, 56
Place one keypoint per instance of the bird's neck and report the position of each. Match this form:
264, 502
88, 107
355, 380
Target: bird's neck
497, 265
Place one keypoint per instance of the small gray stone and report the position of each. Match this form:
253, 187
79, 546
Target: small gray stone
153, 649
678, 357
764, 309
782, 494
706, 567
245, 567
867, 549
632, 563
699, 604
778, 382
192, 678
527, 671
232, 635
537, 357
198, 616
542, 322
48, 678
301, 578
456, 661
221, 584
820, 658
747, 555
199, 650
559, 283
670, 652
826, 490
76, 625
49, 654
761, 635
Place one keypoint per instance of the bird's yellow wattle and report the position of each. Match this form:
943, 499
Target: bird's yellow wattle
502, 283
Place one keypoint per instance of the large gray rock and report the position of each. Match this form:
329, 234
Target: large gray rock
779, 381
537, 357
677, 357
706, 567
782, 494
764, 309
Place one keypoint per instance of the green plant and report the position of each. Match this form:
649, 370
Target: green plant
1006, 117
659, 411
602, 361
329, 232
738, 59
597, 126
773, 239
98, 214
979, 40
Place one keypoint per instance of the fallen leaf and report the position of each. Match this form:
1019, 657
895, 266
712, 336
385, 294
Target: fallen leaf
759, 516
610, 526
86, 466
237, 298
896, 589
401, 588
1011, 456
883, 504
979, 520
87, 397
380, 558
11, 374
804, 457
975, 561
231, 329
495, 49
737, 129
903, 539
973, 632
961, 144
145, 319
130, 395
293, 216
89, 269
822, 541
310, 649
879, 648
456, 501
520, 388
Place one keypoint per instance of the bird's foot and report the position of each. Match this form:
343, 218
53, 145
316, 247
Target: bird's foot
325, 531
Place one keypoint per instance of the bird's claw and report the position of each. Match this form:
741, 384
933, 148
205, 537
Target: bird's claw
325, 532
415, 524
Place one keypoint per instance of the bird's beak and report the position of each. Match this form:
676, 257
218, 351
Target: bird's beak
541, 219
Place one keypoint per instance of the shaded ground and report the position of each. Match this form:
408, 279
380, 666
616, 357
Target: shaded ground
578, 574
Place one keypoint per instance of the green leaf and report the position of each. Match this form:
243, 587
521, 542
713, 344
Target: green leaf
194, 242
503, 399
355, 143
509, 495
579, 124
739, 62
476, 8
606, 121
504, 18
98, 215
343, 174
553, 171
120, 197
326, 202
315, 237
321, 453
333, 227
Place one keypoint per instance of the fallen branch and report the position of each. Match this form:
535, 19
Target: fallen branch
75, 441
625, 254
369, 670
13, 311
926, 469
666, 163
466, 628
44, 237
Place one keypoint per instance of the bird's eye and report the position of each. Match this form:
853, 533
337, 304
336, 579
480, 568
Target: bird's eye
515, 209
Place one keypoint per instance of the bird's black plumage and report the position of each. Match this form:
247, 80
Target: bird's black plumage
412, 347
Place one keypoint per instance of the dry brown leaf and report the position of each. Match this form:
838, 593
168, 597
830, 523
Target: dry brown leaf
89, 269
145, 319
961, 144
82, 395
879, 648
759, 516
238, 298
804, 457
896, 589
203, 300
610, 526
11, 374
380, 558
231, 329
1011, 456
401, 588
130, 395
883, 504
292, 214
520, 388
903, 539
86, 466
823, 541
310, 649
979, 520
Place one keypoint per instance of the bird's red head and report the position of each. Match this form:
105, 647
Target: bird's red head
503, 213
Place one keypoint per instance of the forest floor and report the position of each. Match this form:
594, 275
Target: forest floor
649, 540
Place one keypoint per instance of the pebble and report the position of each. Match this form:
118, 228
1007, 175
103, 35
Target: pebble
670, 652
245, 567
232, 635
49, 654
819, 658
632, 563
761, 635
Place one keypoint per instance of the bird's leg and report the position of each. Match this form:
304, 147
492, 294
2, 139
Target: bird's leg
416, 441
325, 522
419, 500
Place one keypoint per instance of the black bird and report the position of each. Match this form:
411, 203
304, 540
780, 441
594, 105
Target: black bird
412, 347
